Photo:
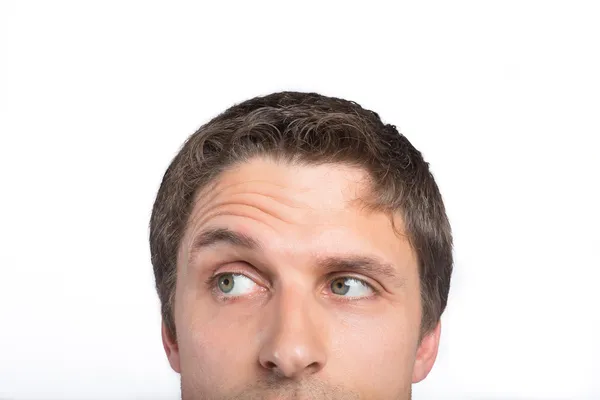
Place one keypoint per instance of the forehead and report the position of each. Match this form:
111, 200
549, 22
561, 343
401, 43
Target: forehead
314, 186
302, 207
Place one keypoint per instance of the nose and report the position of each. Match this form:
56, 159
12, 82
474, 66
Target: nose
294, 345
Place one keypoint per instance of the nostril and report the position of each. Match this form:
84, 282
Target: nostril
314, 367
270, 365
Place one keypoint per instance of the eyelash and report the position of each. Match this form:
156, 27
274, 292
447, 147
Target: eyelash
211, 282
375, 290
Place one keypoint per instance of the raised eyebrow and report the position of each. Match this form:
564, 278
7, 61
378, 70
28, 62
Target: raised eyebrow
213, 236
363, 264
366, 265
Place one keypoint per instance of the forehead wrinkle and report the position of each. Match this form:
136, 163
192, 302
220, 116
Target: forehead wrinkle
207, 212
350, 185
208, 203
209, 194
245, 201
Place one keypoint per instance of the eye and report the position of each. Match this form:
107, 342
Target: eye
351, 287
235, 284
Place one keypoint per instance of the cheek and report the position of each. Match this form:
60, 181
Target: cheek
214, 346
376, 351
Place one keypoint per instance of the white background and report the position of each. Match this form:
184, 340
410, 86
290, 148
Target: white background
503, 99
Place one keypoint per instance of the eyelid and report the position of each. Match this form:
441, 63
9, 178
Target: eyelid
241, 268
249, 271
369, 282
376, 291
212, 284
233, 268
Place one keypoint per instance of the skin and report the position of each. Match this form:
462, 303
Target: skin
287, 330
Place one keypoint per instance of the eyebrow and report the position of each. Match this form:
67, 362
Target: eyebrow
365, 265
214, 236
355, 263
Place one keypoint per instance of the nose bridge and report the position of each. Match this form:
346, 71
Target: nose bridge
294, 314
295, 343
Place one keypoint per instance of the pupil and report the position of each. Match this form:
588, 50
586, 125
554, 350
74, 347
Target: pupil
226, 283
340, 287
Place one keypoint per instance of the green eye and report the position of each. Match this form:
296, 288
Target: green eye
351, 287
225, 283
340, 287
234, 285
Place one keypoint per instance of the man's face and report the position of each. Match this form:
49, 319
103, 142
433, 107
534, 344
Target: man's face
287, 289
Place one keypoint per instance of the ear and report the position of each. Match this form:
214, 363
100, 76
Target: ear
171, 348
426, 354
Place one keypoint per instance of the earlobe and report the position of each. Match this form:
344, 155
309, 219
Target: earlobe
426, 354
171, 348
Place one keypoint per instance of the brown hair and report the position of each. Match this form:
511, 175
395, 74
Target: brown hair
308, 128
